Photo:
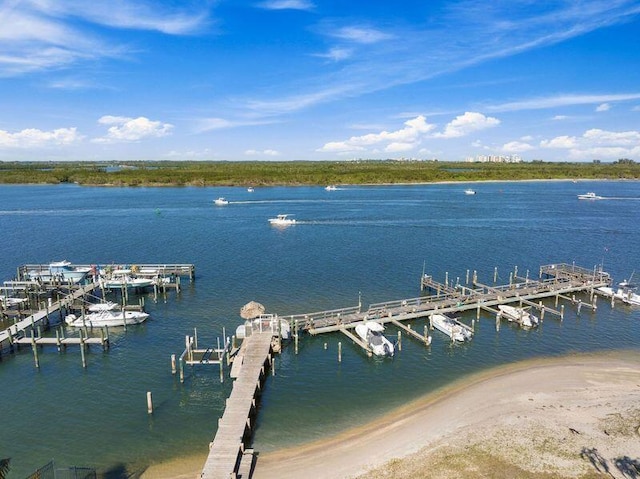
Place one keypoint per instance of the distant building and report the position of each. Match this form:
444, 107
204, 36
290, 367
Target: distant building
494, 159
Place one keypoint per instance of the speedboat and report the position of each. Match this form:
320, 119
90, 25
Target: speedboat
221, 201
250, 189
451, 327
626, 292
589, 196
519, 315
469, 191
282, 220
60, 271
123, 278
371, 333
331, 188
106, 318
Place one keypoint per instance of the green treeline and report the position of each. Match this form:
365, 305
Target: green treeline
184, 173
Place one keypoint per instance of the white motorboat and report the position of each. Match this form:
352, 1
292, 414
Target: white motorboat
625, 292
589, 196
469, 191
107, 306
124, 278
106, 318
282, 220
519, 315
59, 271
331, 188
451, 327
371, 333
221, 201
250, 189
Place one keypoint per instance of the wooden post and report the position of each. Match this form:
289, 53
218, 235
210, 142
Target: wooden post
58, 343
446, 278
399, 340
173, 364
339, 351
515, 271
498, 322
181, 370
82, 350
467, 277
35, 349
510, 279
473, 325
495, 275
295, 337
562, 312
594, 302
478, 311
149, 403
221, 372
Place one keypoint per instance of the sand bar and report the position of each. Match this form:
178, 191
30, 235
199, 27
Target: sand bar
565, 416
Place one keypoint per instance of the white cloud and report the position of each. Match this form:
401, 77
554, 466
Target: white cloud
598, 144
603, 107
516, 147
363, 35
468, 122
208, 124
412, 132
398, 147
287, 5
266, 152
560, 117
526, 138
34, 138
336, 54
125, 129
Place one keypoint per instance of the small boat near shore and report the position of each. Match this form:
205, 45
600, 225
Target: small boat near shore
221, 201
451, 327
282, 220
519, 315
59, 271
589, 196
331, 188
126, 278
371, 333
626, 292
106, 318
469, 191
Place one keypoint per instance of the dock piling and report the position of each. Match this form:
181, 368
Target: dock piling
339, 351
149, 403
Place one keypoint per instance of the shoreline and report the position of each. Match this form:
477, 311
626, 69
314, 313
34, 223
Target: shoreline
451, 417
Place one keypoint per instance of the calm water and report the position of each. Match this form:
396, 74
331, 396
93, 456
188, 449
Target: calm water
372, 241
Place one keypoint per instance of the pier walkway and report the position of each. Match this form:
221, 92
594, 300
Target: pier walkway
559, 281
228, 457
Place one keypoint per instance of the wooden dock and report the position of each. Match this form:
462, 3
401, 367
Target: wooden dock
228, 456
555, 281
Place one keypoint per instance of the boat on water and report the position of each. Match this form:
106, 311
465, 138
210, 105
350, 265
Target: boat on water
451, 327
331, 188
469, 191
250, 189
106, 318
371, 333
59, 271
125, 278
589, 196
221, 201
282, 220
625, 292
519, 315
106, 306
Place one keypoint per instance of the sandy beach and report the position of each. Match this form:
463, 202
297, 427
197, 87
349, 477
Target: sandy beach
575, 416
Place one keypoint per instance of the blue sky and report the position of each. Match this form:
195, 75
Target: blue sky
319, 80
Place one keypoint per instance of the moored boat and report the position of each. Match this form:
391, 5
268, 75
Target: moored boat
106, 306
451, 327
626, 292
589, 196
59, 271
106, 318
125, 278
371, 333
519, 315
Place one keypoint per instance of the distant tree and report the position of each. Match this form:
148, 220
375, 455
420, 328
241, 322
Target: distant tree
4, 467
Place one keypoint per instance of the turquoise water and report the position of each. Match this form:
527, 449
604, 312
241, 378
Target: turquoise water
368, 241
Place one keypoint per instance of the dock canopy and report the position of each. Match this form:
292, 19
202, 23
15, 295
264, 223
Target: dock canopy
251, 310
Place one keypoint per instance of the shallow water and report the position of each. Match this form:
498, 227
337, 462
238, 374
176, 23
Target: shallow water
371, 242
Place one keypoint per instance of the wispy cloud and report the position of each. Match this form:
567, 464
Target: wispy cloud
125, 129
267, 152
287, 5
42, 35
336, 54
603, 107
562, 100
209, 124
360, 34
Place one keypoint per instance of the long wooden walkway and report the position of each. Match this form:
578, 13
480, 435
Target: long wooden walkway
228, 457
559, 281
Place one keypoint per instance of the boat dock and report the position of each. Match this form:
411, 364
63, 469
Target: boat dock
228, 455
42, 300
